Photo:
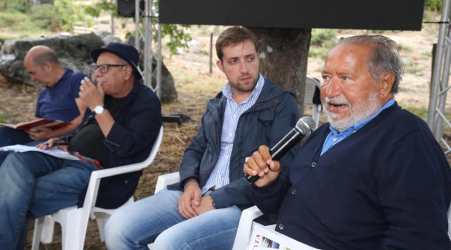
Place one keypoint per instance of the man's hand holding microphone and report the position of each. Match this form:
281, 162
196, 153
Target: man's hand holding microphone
261, 164
263, 167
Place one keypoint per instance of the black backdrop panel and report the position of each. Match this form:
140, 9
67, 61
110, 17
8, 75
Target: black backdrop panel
355, 14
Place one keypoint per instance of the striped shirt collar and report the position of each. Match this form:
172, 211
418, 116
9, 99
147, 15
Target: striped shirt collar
227, 90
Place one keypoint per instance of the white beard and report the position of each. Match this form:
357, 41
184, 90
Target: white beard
358, 112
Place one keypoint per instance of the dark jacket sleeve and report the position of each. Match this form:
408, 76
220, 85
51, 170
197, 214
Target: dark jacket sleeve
142, 126
238, 191
189, 167
268, 199
411, 194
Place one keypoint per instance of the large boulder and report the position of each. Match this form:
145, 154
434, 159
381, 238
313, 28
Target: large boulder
73, 51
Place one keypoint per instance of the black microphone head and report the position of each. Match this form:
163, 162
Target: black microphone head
305, 125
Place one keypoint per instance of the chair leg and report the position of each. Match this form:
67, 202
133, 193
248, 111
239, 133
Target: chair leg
43, 231
101, 219
37, 230
48, 227
73, 229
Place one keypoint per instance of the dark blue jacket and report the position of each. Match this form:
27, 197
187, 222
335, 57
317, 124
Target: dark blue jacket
386, 186
130, 140
272, 116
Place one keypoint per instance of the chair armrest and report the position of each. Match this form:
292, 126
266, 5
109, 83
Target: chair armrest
167, 179
244, 230
97, 175
102, 173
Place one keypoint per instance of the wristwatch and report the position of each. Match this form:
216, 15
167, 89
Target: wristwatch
98, 109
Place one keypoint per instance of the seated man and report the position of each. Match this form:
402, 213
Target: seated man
373, 177
57, 101
121, 127
203, 210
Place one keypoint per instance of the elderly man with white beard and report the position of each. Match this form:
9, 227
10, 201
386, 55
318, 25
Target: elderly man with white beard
373, 177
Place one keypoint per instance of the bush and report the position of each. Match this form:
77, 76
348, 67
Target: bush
11, 18
434, 5
323, 37
15, 20
44, 17
60, 16
16, 5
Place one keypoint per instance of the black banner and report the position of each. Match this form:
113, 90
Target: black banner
349, 14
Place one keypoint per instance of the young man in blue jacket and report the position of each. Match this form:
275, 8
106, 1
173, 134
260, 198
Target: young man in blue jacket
203, 210
373, 177
122, 123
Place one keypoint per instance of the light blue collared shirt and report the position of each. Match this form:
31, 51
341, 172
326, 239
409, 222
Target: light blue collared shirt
336, 136
220, 175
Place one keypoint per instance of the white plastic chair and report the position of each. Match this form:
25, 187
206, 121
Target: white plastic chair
310, 88
247, 223
165, 180
162, 182
74, 220
449, 221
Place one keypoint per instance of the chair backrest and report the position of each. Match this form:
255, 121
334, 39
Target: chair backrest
449, 221
155, 148
91, 194
311, 97
166, 179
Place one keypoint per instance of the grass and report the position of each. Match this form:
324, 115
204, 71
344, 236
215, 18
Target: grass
13, 21
2, 118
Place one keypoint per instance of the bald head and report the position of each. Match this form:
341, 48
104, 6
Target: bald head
41, 55
43, 65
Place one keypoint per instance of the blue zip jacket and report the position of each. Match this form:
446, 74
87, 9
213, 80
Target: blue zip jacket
269, 119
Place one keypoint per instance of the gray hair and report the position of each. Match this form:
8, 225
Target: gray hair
385, 56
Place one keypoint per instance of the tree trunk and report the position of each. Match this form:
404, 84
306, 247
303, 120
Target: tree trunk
283, 56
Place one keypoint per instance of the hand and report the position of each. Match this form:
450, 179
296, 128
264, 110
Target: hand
38, 134
190, 199
53, 142
206, 204
90, 95
261, 164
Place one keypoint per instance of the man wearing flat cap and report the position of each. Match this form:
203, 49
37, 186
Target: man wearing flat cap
120, 126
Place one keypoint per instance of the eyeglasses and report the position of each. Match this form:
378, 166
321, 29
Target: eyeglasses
104, 68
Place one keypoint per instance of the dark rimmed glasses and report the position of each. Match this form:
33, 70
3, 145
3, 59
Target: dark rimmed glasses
104, 68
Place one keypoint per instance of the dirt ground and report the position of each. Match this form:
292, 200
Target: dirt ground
195, 85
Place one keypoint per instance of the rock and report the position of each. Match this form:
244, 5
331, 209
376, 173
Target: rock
73, 52
168, 91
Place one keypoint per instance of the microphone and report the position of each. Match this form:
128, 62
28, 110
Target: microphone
303, 128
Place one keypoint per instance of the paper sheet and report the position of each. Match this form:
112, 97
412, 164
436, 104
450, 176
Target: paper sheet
58, 153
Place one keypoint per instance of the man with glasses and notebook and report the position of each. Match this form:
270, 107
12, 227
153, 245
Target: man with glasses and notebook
203, 210
120, 126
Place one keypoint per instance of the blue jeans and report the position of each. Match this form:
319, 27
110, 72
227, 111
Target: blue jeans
39, 184
156, 219
9, 136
